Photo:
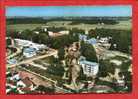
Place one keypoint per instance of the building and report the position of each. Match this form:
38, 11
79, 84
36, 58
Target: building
89, 68
12, 61
19, 83
29, 48
36, 32
121, 82
56, 34
38, 46
86, 32
45, 28
15, 77
29, 52
104, 40
22, 43
92, 41
82, 37
65, 32
27, 43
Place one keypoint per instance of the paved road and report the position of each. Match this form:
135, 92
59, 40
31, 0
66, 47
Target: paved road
51, 53
38, 65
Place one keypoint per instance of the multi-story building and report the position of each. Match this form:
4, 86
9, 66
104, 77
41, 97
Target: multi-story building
89, 68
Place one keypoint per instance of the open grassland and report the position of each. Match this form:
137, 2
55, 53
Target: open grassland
123, 25
23, 26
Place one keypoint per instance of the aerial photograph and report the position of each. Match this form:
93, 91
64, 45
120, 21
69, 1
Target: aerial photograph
68, 50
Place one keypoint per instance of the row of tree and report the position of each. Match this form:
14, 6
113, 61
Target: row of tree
44, 38
77, 20
95, 21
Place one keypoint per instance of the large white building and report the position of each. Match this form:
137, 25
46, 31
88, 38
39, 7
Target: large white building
29, 52
29, 48
27, 43
89, 68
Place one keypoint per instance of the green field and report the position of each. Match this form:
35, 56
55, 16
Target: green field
123, 25
23, 26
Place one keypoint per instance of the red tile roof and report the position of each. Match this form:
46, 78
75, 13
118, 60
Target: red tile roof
27, 82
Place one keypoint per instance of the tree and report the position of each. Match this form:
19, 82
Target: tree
125, 66
61, 41
38, 29
88, 51
45, 89
128, 80
14, 91
92, 33
8, 42
82, 76
13, 33
124, 41
105, 67
35, 38
57, 70
76, 31
26, 34
43, 38
53, 60
61, 53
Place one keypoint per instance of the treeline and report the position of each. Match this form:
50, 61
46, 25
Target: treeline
95, 21
26, 21
89, 20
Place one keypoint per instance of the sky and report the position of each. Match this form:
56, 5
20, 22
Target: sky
66, 11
